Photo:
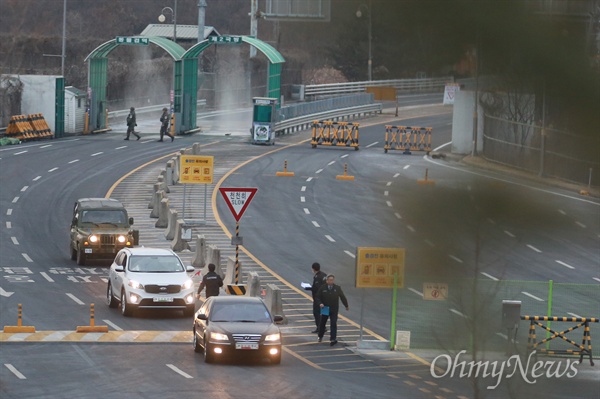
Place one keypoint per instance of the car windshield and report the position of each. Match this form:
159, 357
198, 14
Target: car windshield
240, 312
104, 216
155, 264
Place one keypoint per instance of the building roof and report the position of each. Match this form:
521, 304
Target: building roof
75, 91
184, 32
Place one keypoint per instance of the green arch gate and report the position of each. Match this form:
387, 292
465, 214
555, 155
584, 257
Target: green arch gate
185, 74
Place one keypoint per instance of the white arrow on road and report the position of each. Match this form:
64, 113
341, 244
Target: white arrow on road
4, 293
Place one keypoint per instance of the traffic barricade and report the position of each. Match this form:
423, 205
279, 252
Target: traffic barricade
340, 134
407, 139
39, 126
585, 349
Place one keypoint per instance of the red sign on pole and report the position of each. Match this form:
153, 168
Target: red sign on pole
238, 199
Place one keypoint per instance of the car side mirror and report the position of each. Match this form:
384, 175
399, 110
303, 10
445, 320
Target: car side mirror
277, 319
190, 269
130, 221
119, 269
203, 316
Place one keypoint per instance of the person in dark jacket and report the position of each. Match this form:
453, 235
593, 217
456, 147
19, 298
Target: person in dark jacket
131, 124
318, 280
165, 118
329, 297
212, 281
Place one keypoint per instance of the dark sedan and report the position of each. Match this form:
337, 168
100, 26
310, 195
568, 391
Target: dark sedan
236, 326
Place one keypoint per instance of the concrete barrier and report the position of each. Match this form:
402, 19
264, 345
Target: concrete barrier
253, 284
155, 188
179, 244
175, 170
274, 302
163, 214
213, 255
230, 274
199, 259
169, 172
172, 224
196, 149
163, 181
158, 196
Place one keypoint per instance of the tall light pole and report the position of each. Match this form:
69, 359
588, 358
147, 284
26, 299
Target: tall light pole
370, 36
161, 18
201, 19
64, 36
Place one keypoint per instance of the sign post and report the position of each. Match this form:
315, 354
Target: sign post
237, 199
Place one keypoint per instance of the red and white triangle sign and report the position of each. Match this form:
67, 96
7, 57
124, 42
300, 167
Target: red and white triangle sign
238, 199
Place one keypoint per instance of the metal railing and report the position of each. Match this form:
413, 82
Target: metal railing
144, 110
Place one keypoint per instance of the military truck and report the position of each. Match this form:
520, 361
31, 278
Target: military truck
99, 229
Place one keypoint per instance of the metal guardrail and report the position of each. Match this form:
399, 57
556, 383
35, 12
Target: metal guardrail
144, 110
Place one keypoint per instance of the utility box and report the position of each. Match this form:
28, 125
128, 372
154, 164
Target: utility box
264, 116
511, 314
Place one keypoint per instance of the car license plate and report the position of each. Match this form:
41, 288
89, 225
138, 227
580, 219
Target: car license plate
88, 250
243, 346
163, 299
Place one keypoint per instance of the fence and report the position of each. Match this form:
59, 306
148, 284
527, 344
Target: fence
555, 153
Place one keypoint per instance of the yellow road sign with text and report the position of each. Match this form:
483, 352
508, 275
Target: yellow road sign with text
196, 169
375, 267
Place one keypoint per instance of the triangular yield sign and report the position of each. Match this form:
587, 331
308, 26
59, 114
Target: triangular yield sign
238, 199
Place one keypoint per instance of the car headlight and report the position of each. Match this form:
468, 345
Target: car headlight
121, 239
188, 284
135, 285
273, 337
93, 238
218, 336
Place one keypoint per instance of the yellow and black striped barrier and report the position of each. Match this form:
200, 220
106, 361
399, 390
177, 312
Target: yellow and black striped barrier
30, 127
92, 327
407, 139
585, 349
19, 328
236, 289
339, 134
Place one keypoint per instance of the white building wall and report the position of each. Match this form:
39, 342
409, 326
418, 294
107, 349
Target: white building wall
39, 96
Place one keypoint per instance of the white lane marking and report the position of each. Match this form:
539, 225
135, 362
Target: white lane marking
121, 147
73, 161
350, 254
52, 170
532, 296
533, 248
389, 203
329, 238
5, 293
562, 212
458, 313
74, 298
397, 215
98, 153
489, 276
14, 240
583, 226
306, 211
178, 371
431, 244
14, 201
46, 146
386, 193
344, 156
372, 144
575, 315
412, 229
24, 188
415, 291
406, 167
331, 163
15, 371
27, 258
508, 233
319, 171
113, 325
455, 258
8, 212
37, 178
9, 225
315, 223
302, 199
564, 264
597, 279
45, 275
303, 188
309, 179
20, 152
396, 175
388, 184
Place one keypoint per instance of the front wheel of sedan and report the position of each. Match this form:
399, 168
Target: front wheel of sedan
110, 298
209, 356
126, 309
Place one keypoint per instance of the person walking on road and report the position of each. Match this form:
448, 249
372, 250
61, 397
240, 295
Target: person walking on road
318, 280
212, 281
131, 124
165, 118
329, 297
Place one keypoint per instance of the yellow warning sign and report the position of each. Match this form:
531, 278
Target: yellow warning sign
196, 169
375, 267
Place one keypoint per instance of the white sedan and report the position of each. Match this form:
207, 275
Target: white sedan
150, 278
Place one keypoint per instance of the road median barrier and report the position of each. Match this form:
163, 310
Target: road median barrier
92, 327
19, 328
171, 225
199, 259
156, 198
407, 139
274, 302
179, 244
253, 284
339, 134
233, 272
163, 214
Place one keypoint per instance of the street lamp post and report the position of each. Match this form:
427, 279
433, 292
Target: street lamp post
370, 37
161, 18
